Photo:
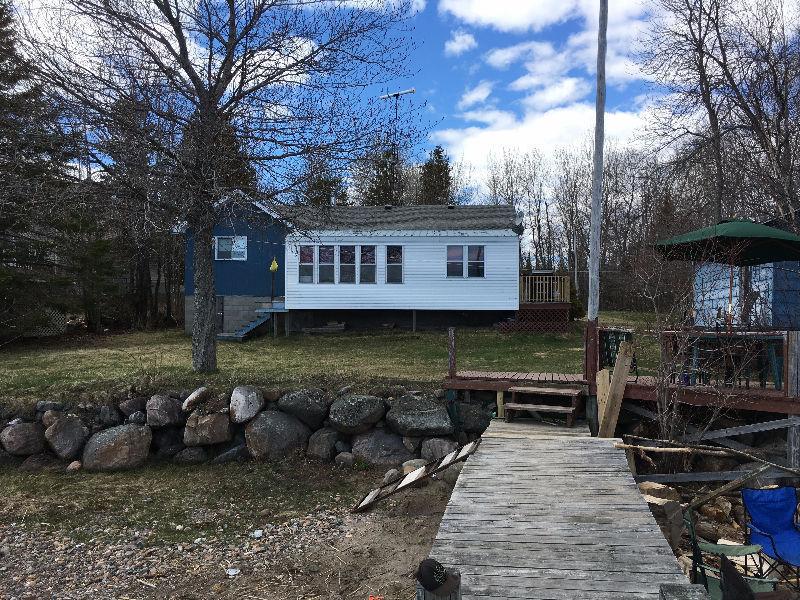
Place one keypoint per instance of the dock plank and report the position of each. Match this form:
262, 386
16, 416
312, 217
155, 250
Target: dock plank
543, 512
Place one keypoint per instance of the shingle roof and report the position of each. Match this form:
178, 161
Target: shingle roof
403, 218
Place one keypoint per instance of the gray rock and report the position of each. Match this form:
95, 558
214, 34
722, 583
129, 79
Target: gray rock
204, 430
412, 416
310, 406
274, 434
271, 394
413, 465
45, 405
246, 402
473, 418
356, 414
139, 418
322, 444
390, 476
412, 444
342, 446
436, 448
67, 436
163, 411
74, 466
191, 456
380, 447
50, 417
108, 416
133, 405
23, 439
122, 447
36, 463
344, 459
195, 399
236, 454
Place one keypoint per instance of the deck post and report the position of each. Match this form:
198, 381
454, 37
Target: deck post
793, 390
501, 409
451, 352
414, 321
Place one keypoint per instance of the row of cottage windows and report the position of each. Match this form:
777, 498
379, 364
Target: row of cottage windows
320, 261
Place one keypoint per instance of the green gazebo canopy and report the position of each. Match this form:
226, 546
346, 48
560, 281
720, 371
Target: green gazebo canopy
734, 242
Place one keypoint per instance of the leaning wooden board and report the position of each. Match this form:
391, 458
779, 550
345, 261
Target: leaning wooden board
543, 512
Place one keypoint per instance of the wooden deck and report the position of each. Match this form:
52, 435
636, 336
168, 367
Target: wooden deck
638, 389
549, 513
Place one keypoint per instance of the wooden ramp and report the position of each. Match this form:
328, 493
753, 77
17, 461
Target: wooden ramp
551, 513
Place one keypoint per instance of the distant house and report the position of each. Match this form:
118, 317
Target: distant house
368, 266
763, 296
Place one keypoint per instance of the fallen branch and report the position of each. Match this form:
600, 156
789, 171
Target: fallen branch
681, 450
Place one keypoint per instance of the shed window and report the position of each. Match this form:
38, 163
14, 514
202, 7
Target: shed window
326, 264
475, 261
230, 247
455, 261
394, 264
367, 266
306, 264
347, 264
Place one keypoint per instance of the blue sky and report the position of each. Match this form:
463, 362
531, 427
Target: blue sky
521, 73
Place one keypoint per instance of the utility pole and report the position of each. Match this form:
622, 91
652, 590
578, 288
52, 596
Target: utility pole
590, 350
395, 143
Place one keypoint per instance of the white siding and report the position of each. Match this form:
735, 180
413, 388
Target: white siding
425, 283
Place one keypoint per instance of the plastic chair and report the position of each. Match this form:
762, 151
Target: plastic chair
770, 518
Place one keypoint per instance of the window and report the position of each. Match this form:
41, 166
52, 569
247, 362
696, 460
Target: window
394, 264
367, 267
306, 264
230, 247
455, 261
347, 264
475, 261
326, 265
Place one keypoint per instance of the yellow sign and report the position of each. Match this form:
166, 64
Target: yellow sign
274, 266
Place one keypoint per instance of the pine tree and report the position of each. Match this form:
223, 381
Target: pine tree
34, 168
436, 179
321, 187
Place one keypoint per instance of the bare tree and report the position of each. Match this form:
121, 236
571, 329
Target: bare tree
280, 76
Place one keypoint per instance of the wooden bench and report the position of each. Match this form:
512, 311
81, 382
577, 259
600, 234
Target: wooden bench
573, 394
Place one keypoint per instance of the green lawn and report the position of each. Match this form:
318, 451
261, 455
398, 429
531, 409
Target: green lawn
151, 359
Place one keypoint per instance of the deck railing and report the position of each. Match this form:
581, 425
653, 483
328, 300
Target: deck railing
543, 288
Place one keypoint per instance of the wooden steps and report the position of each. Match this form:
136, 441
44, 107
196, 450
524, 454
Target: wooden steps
555, 399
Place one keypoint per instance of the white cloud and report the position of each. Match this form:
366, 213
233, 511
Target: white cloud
477, 95
459, 42
561, 91
510, 15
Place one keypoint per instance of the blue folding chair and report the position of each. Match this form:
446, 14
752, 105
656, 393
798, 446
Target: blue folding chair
771, 523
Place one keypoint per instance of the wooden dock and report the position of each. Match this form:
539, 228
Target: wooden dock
551, 513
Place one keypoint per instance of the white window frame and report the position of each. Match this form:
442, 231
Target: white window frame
374, 264
447, 261
402, 265
465, 262
313, 263
235, 238
334, 264
339, 263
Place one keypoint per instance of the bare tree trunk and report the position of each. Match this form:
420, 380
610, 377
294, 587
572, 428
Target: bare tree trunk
204, 325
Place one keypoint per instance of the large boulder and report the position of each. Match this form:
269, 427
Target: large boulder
246, 402
163, 411
273, 434
122, 447
322, 444
414, 416
66, 436
380, 447
205, 430
108, 416
310, 406
23, 439
133, 405
473, 418
436, 448
356, 414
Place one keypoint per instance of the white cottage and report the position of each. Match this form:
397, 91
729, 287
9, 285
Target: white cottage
432, 265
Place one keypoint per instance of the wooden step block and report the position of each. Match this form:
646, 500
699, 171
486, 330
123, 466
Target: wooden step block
547, 391
539, 407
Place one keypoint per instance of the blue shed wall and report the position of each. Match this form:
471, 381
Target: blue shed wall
249, 277
786, 294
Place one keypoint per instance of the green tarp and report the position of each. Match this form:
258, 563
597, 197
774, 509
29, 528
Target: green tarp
733, 242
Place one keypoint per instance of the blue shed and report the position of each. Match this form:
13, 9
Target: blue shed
243, 251
764, 296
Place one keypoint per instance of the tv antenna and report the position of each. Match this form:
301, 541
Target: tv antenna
395, 149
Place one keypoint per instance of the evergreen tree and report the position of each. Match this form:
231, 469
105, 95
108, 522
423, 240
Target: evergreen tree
320, 186
34, 155
436, 179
